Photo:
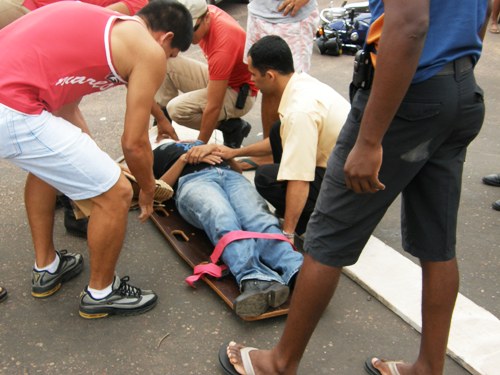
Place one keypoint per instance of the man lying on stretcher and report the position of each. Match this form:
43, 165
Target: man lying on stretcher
212, 196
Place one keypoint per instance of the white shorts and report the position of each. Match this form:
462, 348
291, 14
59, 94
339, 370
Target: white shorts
57, 152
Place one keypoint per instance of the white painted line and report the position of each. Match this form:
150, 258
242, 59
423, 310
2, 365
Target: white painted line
396, 281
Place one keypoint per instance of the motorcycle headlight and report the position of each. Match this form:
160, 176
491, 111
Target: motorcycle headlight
354, 36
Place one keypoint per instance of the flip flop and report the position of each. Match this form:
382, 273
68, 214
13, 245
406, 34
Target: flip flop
253, 165
494, 30
374, 371
245, 357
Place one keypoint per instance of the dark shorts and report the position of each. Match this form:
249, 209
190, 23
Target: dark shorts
423, 155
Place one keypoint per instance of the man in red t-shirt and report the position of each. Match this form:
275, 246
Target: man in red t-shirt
44, 76
214, 95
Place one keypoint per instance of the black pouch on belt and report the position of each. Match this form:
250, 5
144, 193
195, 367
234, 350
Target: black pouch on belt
362, 75
242, 96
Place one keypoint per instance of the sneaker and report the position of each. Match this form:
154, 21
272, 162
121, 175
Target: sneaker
124, 299
258, 295
234, 130
44, 283
3, 294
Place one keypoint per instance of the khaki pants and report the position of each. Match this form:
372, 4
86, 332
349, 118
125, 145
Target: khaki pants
11, 10
190, 77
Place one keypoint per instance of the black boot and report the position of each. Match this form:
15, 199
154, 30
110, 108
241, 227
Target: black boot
234, 130
74, 226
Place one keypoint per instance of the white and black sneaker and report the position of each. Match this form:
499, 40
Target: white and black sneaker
45, 284
124, 299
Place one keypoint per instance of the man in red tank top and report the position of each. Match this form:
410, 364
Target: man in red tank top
44, 76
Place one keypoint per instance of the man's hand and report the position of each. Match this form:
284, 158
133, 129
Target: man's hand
196, 154
291, 7
225, 152
145, 204
166, 130
362, 167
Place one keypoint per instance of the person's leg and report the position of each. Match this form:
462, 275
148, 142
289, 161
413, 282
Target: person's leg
183, 75
39, 198
300, 38
430, 206
314, 288
109, 215
439, 291
254, 216
269, 188
212, 212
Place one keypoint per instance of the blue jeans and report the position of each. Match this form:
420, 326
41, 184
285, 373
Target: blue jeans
220, 201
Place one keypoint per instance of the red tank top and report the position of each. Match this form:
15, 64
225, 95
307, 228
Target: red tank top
55, 55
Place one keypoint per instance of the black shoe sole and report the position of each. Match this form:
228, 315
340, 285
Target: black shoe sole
107, 311
44, 293
257, 303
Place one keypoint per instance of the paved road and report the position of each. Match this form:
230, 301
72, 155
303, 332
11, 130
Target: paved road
182, 334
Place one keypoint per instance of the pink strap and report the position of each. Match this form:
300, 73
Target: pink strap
213, 269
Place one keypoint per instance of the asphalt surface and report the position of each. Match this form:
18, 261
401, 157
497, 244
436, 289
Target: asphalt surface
183, 333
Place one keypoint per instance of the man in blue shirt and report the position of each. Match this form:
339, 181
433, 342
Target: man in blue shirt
406, 134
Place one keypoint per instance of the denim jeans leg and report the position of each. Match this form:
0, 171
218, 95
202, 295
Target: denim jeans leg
254, 216
203, 202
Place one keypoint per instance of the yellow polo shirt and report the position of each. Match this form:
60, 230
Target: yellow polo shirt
312, 114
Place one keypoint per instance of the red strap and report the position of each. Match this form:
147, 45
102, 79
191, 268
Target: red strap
213, 269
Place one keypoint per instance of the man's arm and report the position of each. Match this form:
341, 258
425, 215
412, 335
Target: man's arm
261, 148
141, 61
165, 128
296, 197
172, 175
400, 46
482, 32
216, 91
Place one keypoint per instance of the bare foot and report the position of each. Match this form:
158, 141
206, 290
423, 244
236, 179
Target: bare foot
389, 367
494, 28
234, 355
261, 360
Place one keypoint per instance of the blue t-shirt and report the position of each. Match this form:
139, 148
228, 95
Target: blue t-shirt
453, 33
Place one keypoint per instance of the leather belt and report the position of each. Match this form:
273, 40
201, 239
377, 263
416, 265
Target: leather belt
461, 65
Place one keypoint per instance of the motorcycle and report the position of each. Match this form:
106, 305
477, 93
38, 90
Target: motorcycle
343, 29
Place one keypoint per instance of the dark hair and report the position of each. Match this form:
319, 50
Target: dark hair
271, 52
170, 16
